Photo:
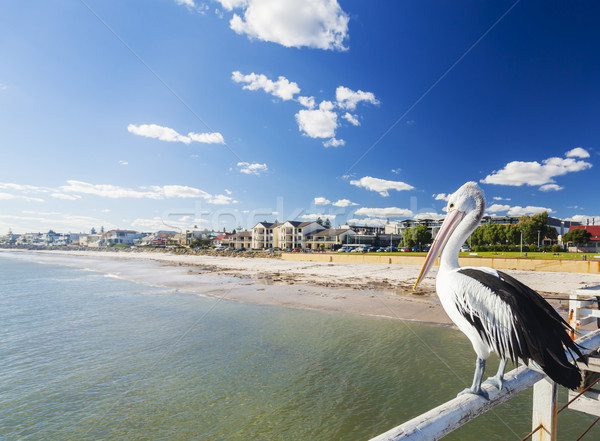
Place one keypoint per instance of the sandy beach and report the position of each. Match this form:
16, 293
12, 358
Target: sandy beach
368, 289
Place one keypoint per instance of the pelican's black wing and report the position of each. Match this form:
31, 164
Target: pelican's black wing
539, 333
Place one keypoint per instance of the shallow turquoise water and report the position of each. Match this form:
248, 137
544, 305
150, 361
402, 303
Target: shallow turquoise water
83, 356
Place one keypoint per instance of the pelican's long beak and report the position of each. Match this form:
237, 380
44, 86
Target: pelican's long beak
450, 223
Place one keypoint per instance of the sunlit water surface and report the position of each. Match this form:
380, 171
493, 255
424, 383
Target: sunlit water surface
87, 357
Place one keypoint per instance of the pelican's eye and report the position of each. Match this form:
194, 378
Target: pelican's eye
451, 206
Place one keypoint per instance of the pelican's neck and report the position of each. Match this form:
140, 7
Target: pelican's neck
449, 257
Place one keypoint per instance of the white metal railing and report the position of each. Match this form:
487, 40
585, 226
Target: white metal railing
442, 420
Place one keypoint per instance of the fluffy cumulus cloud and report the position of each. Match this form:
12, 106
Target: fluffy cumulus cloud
498, 208
322, 201
307, 101
320, 24
252, 168
333, 142
577, 152
282, 88
319, 122
442, 197
348, 98
381, 186
551, 187
517, 173
386, 212
343, 203
371, 222
522, 211
170, 135
428, 215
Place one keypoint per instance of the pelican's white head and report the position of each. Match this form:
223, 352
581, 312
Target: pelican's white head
465, 210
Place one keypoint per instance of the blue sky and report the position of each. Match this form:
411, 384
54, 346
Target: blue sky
170, 114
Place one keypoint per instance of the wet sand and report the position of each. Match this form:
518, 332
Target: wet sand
368, 289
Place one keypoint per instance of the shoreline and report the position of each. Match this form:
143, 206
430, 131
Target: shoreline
376, 290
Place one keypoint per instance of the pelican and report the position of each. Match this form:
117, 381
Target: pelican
494, 310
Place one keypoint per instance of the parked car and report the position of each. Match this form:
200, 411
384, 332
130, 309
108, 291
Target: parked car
220, 249
465, 249
241, 249
405, 250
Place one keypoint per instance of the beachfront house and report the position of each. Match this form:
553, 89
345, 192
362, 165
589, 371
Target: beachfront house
240, 240
330, 239
117, 237
293, 234
265, 235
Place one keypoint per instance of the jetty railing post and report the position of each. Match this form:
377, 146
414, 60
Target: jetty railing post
545, 396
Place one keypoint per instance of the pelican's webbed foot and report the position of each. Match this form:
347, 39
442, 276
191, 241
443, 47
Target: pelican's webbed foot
478, 391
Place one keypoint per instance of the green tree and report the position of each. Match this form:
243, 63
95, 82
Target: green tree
93, 231
533, 227
421, 235
408, 237
327, 223
320, 221
578, 235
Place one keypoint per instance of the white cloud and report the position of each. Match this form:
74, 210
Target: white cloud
333, 142
188, 3
343, 203
107, 190
381, 186
585, 220
157, 132
170, 135
498, 198
228, 192
221, 199
442, 197
429, 215
322, 201
318, 123
522, 211
348, 99
252, 169
207, 138
384, 212
282, 88
551, 187
517, 173
497, 208
7, 196
396, 171
367, 221
315, 216
307, 101
352, 119
320, 24
152, 192
121, 162
577, 152
67, 197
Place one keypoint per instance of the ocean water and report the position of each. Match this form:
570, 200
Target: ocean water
84, 356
